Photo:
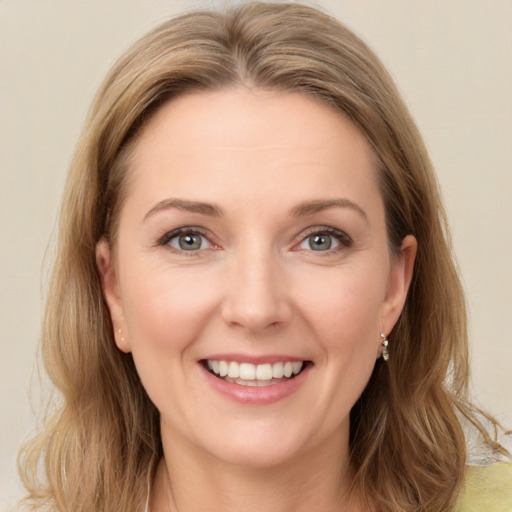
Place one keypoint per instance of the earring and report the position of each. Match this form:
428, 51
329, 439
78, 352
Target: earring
119, 331
385, 343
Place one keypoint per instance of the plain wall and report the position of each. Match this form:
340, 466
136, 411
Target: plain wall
451, 60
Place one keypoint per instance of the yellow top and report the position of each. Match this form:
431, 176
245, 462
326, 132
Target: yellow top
487, 489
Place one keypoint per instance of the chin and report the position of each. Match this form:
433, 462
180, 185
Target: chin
253, 455
260, 444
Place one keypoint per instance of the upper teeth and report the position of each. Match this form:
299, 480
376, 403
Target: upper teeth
248, 371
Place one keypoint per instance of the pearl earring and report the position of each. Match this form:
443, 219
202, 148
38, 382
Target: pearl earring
385, 343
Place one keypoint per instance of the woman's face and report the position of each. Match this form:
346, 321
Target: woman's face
252, 241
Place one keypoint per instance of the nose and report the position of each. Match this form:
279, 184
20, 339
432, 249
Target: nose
256, 296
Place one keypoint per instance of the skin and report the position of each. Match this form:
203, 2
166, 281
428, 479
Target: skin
254, 287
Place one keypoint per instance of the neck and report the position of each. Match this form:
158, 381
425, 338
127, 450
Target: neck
320, 480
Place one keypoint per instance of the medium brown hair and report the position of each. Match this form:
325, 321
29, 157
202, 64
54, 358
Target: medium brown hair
101, 439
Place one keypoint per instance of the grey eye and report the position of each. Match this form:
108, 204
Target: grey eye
188, 242
320, 242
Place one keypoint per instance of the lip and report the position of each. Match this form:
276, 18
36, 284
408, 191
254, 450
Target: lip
249, 395
260, 359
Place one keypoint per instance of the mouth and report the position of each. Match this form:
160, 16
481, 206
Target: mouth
255, 375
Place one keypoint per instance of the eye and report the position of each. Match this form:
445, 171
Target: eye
188, 240
319, 242
325, 239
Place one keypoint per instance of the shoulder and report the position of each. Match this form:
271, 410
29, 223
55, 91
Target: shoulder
487, 489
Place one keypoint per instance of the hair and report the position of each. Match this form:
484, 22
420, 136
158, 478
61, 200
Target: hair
100, 440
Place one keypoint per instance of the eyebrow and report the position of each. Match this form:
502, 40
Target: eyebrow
311, 207
301, 210
189, 206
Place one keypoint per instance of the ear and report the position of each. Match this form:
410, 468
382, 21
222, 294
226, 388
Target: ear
402, 268
111, 292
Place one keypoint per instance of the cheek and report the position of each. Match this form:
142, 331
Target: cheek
165, 309
347, 310
345, 320
166, 312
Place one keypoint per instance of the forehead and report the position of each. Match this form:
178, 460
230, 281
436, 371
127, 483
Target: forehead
254, 142
230, 117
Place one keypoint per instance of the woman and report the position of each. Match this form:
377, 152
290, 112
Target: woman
254, 303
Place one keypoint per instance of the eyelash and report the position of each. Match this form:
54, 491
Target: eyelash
166, 239
345, 241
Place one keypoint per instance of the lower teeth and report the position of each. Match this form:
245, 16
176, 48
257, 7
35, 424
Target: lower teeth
254, 383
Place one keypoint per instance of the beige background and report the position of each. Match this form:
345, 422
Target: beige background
451, 59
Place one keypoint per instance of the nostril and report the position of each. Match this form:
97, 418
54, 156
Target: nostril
255, 314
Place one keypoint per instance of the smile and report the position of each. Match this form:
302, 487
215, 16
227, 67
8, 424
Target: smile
255, 375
